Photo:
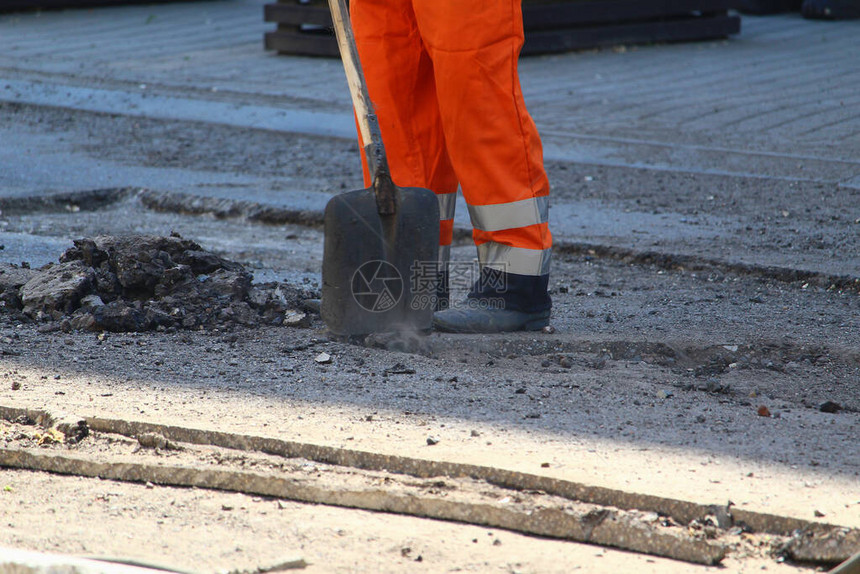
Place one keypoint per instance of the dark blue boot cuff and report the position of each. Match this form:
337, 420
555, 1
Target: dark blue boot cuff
526, 293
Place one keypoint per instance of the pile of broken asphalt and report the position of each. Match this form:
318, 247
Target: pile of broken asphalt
144, 283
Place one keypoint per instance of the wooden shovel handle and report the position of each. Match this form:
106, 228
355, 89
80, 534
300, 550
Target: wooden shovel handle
368, 124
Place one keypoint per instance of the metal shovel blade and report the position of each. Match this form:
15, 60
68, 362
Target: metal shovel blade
380, 271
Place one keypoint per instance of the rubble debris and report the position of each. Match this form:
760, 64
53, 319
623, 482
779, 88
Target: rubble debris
146, 282
722, 515
12, 278
822, 544
74, 429
296, 319
51, 430
57, 290
157, 441
49, 437
830, 407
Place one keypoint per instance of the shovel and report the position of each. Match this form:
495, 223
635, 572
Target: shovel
381, 243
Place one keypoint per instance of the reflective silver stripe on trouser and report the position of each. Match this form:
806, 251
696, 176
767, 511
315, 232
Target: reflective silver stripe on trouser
499, 216
444, 254
447, 205
534, 262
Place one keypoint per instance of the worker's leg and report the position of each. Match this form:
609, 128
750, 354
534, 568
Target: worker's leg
402, 87
493, 143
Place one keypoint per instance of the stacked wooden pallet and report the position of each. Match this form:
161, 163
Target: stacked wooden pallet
551, 25
32, 5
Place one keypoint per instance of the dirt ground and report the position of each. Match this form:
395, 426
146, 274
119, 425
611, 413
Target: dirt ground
698, 381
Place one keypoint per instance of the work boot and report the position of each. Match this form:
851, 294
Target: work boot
488, 320
499, 302
831, 9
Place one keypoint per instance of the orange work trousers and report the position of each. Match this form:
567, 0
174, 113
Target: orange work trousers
443, 77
